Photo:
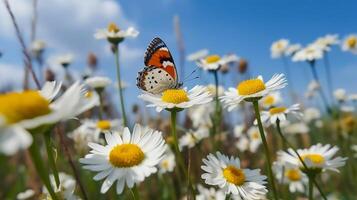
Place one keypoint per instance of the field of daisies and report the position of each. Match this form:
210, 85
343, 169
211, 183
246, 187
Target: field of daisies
257, 139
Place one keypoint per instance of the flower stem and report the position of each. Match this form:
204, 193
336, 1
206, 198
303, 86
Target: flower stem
41, 169
311, 188
179, 157
328, 75
101, 106
301, 160
216, 123
322, 94
51, 158
134, 192
120, 89
266, 149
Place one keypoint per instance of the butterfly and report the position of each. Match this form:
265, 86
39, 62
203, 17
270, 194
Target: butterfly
159, 73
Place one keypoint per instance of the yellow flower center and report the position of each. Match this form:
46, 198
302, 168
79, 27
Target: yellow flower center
18, 106
269, 100
352, 42
165, 164
103, 124
314, 158
256, 135
293, 174
175, 96
251, 86
112, 27
88, 94
126, 155
212, 59
234, 175
277, 110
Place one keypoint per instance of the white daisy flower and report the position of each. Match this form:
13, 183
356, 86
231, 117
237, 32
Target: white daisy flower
292, 49
319, 157
114, 35
252, 88
226, 173
272, 99
65, 60
254, 138
98, 82
201, 115
23, 111
280, 113
340, 94
352, 97
191, 138
311, 114
288, 174
350, 44
278, 48
243, 143
37, 47
326, 41
238, 130
65, 189
168, 163
27, 194
309, 54
127, 159
198, 55
214, 62
177, 98
211, 88
209, 193
296, 128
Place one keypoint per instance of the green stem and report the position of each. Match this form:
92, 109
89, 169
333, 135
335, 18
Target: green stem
179, 157
266, 149
120, 89
300, 158
328, 75
134, 192
311, 188
51, 158
101, 107
41, 169
217, 112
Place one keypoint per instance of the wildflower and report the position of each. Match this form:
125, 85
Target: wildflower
209, 193
292, 49
191, 138
65, 189
98, 82
311, 114
350, 44
252, 88
177, 98
114, 34
296, 128
271, 99
65, 60
37, 47
340, 95
326, 42
201, 115
21, 112
278, 48
214, 62
280, 113
318, 157
28, 194
127, 159
254, 139
310, 53
167, 164
227, 174
290, 175
198, 55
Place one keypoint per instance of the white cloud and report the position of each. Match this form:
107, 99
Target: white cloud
66, 25
11, 77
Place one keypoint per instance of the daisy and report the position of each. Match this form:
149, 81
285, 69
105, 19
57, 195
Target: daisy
296, 128
114, 34
340, 95
251, 89
209, 193
98, 82
21, 112
318, 157
311, 114
191, 138
309, 54
127, 159
290, 175
278, 48
167, 164
271, 99
96, 127
350, 44
292, 49
254, 138
201, 115
27, 194
177, 98
65, 189
37, 47
226, 173
198, 55
326, 41
280, 113
214, 62
65, 60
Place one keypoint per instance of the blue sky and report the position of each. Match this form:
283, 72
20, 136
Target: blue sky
246, 28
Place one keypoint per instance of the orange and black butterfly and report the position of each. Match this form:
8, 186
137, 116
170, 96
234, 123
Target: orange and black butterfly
159, 73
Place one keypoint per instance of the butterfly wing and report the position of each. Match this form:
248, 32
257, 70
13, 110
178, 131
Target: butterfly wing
155, 80
160, 72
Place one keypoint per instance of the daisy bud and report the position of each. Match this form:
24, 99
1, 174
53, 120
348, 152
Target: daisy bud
242, 65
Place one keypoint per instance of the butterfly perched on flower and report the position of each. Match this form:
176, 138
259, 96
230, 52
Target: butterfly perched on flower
159, 73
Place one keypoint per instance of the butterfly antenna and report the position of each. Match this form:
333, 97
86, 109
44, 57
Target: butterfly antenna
188, 76
192, 79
